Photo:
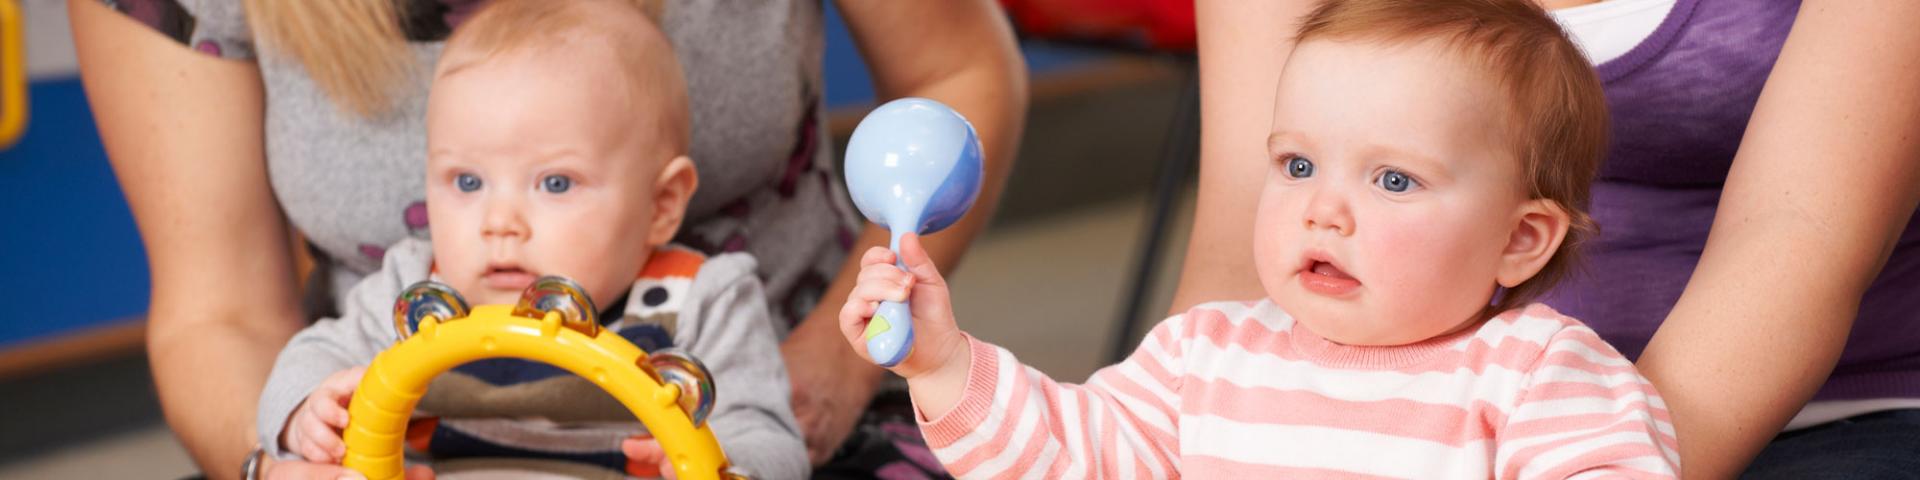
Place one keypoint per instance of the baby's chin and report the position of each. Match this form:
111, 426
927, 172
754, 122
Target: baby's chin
1344, 333
1351, 328
1371, 330
477, 294
486, 291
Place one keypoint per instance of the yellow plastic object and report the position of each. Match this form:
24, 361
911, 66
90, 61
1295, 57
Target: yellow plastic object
13, 74
399, 376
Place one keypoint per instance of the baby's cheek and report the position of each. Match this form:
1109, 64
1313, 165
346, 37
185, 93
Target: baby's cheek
448, 219
1270, 253
605, 265
1418, 267
1403, 249
1448, 274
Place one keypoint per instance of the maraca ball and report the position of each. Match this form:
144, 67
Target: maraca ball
914, 165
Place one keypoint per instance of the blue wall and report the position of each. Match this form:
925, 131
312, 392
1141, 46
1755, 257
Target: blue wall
69, 254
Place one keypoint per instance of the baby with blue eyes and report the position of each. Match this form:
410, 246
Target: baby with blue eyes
1427, 165
557, 135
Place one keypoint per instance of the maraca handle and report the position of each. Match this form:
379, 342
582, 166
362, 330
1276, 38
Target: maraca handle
890, 334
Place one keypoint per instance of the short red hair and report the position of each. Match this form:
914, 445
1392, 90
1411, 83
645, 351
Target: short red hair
1557, 109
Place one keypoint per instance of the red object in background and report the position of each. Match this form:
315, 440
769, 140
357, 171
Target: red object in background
1154, 24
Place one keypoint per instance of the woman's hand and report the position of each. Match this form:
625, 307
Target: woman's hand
831, 384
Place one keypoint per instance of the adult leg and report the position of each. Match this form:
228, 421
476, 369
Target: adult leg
1880, 445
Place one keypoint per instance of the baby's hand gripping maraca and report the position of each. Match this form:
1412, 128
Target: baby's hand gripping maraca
913, 166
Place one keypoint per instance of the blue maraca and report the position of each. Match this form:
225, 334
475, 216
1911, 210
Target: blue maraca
913, 165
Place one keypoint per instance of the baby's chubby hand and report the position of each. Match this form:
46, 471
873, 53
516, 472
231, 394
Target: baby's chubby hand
938, 344
313, 431
645, 453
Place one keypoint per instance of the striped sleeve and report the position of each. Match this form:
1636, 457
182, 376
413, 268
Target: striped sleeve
1015, 422
1585, 412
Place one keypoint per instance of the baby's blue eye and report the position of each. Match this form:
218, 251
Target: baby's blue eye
466, 182
556, 183
1396, 182
1298, 167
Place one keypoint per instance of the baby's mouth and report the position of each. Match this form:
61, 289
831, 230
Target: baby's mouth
508, 277
1320, 275
1327, 269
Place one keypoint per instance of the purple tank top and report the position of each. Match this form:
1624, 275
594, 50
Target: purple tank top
1680, 102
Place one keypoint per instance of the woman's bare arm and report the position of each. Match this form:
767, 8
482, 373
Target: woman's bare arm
1826, 178
184, 133
1243, 45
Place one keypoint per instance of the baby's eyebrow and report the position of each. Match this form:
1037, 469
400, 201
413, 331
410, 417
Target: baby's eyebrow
562, 153
1424, 162
1281, 138
566, 157
442, 156
1402, 153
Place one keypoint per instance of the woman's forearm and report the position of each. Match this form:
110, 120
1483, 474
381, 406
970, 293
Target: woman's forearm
1826, 179
980, 74
821, 329
209, 377
1243, 46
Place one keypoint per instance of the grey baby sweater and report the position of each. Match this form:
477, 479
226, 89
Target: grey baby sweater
519, 408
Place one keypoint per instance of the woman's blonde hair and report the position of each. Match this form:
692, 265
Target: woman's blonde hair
354, 50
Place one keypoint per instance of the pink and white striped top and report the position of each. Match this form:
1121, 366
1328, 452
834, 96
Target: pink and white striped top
1236, 390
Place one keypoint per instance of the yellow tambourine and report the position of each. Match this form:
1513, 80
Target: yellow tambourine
555, 323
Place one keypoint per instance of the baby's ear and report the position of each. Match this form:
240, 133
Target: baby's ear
1537, 233
671, 192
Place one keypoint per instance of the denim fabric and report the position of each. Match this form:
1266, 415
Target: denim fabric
1872, 446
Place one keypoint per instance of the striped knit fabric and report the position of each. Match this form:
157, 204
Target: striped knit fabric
1235, 390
